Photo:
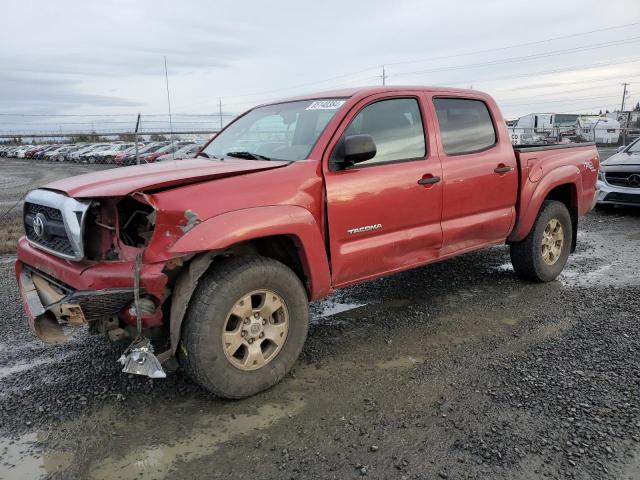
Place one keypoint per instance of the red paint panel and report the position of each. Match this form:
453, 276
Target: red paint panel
405, 214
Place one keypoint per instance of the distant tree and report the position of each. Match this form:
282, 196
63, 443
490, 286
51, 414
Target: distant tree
600, 112
87, 137
637, 107
606, 111
156, 137
127, 137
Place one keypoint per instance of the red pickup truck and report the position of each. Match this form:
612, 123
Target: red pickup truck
212, 261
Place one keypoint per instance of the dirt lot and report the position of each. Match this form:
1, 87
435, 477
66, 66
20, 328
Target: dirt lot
456, 370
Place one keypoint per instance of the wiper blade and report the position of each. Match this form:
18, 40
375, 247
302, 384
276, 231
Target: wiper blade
206, 155
247, 155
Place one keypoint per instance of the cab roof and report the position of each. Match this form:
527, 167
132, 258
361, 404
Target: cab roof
372, 90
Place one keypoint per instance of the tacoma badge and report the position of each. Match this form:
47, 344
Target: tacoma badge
367, 228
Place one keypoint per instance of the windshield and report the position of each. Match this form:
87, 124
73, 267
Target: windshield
634, 147
284, 131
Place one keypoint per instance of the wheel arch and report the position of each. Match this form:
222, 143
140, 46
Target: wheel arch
563, 185
289, 235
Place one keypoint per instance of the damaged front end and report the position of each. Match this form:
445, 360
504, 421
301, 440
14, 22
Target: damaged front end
99, 282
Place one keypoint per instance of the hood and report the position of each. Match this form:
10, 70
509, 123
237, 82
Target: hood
622, 159
118, 182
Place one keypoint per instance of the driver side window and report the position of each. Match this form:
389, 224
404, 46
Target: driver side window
396, 128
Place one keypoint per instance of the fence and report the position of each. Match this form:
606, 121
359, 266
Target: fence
559, 134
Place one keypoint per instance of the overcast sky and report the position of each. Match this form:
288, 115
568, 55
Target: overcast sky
79, 57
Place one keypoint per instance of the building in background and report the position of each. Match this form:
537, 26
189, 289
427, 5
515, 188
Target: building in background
600, 129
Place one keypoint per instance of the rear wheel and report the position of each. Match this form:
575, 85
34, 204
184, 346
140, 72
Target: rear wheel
542, 255
245, 326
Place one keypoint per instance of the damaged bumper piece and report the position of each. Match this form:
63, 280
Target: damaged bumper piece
54, 310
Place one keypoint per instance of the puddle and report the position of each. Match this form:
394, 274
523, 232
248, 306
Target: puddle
20, 460
6, 259
155, 461
400, 362
505, 267
328, 307
509, 321
24, 366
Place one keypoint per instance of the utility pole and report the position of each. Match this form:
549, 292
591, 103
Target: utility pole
220, 111
384, 76
135, 133
166, 78
624, 97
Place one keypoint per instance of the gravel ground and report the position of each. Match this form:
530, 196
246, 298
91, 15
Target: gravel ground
456, 370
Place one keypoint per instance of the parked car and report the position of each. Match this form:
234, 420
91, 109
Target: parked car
107, 155
91, 155
40, 154
619, 177
130, 158
219, 258
166, 150
22, 150
75, 156
188, 151
30, 152
51, 155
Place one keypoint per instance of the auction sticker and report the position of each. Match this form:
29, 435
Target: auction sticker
326, 105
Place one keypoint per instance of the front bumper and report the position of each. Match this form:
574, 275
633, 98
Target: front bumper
612, 195
57, 293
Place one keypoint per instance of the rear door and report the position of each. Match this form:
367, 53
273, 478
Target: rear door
479, 173
384, 214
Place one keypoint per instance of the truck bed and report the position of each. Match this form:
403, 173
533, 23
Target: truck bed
533, 147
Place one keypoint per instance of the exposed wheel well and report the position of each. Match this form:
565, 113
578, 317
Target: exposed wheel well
568, 195
279, 247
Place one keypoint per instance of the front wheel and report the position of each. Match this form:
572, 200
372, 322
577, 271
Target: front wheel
542, 255
245, 326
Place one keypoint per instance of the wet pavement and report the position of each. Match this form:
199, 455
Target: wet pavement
455, 370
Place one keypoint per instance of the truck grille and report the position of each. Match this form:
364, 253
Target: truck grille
623, 179
623, 198
55, 223
103, 304
44, 226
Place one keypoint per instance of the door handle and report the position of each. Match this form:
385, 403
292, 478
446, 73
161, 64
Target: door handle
428, 180
502, 169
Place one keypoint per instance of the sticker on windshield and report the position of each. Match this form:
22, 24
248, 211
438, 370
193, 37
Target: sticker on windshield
325, 105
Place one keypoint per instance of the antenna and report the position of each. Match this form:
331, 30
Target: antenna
220, 111
166, 77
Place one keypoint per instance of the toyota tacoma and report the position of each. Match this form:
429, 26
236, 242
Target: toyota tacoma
209, 263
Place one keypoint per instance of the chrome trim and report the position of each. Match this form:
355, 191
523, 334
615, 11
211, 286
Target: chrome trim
69, 208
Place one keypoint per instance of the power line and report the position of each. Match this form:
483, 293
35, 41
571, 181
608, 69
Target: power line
517, 45
292, 87
523, 58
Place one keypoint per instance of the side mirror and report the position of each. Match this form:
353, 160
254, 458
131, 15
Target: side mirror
620, 148
353, 149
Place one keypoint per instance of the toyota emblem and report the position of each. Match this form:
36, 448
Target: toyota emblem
38, 225
634, 180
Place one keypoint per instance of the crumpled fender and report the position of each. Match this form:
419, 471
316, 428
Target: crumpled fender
532, 194
222, 231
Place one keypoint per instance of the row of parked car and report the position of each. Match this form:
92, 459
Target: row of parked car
118, 153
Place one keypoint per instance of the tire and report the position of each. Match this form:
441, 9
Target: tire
201, 352
528, 257
92, 159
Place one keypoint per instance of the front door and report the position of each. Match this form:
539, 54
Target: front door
384, 213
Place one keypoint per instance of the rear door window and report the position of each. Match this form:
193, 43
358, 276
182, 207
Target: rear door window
465, 125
